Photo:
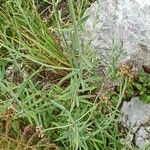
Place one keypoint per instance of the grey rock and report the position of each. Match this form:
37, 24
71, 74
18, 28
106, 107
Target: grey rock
136, 116
113, 22
142, 136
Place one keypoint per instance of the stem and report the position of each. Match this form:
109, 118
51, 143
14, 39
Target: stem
58, 23
72, 12
77, 39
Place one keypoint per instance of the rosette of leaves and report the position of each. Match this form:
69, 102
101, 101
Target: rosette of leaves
140, 87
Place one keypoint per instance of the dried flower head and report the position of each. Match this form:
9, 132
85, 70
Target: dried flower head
126, 71
104, 99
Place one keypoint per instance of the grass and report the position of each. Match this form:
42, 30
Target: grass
29, 33
51, 96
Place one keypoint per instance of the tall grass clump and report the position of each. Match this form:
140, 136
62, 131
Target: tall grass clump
24, 34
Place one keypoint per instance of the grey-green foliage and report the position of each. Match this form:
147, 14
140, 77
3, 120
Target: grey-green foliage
68, 111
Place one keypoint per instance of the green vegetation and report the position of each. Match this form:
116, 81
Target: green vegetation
51, 96
140, 87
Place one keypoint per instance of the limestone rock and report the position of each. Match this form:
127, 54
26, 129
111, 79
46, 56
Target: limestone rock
136, 116
112, 23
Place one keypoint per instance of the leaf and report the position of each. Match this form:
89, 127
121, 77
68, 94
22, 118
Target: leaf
15, 126
147, 98
141, 78
82, 20
141, 92
138, 86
